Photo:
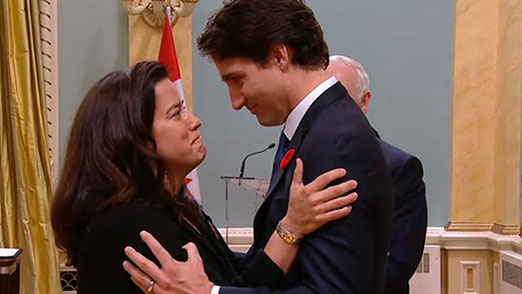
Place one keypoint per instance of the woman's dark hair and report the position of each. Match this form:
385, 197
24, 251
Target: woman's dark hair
110, 156
247, 28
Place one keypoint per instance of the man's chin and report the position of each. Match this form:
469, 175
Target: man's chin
268, 122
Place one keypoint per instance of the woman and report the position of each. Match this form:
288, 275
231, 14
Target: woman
131, 145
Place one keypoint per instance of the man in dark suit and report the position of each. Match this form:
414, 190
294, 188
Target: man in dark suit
272, 56
410, 212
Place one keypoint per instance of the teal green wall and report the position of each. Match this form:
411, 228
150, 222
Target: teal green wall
92, 41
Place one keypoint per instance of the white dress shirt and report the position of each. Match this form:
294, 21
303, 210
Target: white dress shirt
297, 114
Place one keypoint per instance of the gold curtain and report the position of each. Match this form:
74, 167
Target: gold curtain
25, 179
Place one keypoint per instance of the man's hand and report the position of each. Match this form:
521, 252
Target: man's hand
173, 277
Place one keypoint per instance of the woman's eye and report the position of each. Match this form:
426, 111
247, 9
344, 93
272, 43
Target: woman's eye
175, 114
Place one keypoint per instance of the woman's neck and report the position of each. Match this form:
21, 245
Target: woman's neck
176, 181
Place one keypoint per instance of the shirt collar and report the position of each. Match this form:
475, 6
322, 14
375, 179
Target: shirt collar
297, 114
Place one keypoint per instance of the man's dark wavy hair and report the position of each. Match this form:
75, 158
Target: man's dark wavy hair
247, 28
109, 160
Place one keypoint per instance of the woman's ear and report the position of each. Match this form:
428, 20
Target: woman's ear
151, 145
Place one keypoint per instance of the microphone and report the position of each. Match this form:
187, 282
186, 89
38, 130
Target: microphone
242, 169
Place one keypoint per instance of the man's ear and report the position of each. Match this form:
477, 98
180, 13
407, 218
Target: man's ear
365, 101
281, 55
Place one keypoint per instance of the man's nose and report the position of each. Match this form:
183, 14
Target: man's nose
237, 100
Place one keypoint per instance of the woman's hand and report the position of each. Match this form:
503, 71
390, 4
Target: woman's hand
312, 206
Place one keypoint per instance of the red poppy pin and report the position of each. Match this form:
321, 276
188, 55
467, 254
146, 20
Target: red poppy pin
286, 159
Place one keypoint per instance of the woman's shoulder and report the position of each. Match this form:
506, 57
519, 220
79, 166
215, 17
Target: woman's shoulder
128, 214
122, 223
114, 228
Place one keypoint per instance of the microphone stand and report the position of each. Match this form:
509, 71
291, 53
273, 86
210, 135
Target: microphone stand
242, 169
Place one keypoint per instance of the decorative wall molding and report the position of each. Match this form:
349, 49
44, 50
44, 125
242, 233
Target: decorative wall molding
239, 239
484, 226
448, 240
49, 41
473, 240
470, 280
153, 11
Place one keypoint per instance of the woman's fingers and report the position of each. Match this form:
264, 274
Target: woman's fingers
337, 203
334, 214
325, 179
298, 172
335, 191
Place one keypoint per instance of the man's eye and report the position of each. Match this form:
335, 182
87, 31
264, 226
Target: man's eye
235, 80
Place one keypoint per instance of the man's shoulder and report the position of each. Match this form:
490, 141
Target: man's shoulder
395, 155
393, 151
401, 163
342, 120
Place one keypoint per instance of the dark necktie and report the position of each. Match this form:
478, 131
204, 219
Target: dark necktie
281, 149
276, 170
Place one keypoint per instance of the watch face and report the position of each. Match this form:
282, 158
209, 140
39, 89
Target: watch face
289, 238
286, 236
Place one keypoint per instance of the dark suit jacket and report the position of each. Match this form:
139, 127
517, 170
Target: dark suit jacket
409, 221
348, 255
110, 231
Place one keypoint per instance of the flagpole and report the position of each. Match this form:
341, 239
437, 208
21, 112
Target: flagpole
168, 14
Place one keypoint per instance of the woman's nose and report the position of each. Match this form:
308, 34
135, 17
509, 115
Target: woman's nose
195, 122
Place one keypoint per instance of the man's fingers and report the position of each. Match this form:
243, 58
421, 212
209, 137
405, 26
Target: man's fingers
192, 252
139, 286
137, 276
326, 178
161, 254
144, 264
298, 172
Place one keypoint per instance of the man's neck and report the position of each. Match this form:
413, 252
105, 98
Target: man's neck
303, 82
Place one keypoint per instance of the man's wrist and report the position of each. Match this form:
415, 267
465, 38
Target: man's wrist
215, 289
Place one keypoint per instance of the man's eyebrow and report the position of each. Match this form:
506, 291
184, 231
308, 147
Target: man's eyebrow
227, 76
231, 75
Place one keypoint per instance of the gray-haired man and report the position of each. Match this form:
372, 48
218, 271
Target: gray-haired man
410, 212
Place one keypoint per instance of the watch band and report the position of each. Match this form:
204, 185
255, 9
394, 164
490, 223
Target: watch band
286, 235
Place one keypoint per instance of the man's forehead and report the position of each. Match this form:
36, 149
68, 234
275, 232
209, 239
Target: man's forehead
233, 65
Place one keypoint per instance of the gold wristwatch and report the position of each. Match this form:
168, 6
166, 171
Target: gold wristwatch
286, 235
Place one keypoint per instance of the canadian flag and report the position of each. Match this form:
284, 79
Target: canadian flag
167, 56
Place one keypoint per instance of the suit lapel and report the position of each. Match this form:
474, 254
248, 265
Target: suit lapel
337, 91
331, 94
277, 172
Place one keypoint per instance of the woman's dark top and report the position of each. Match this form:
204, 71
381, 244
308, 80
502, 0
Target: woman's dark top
102, 253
